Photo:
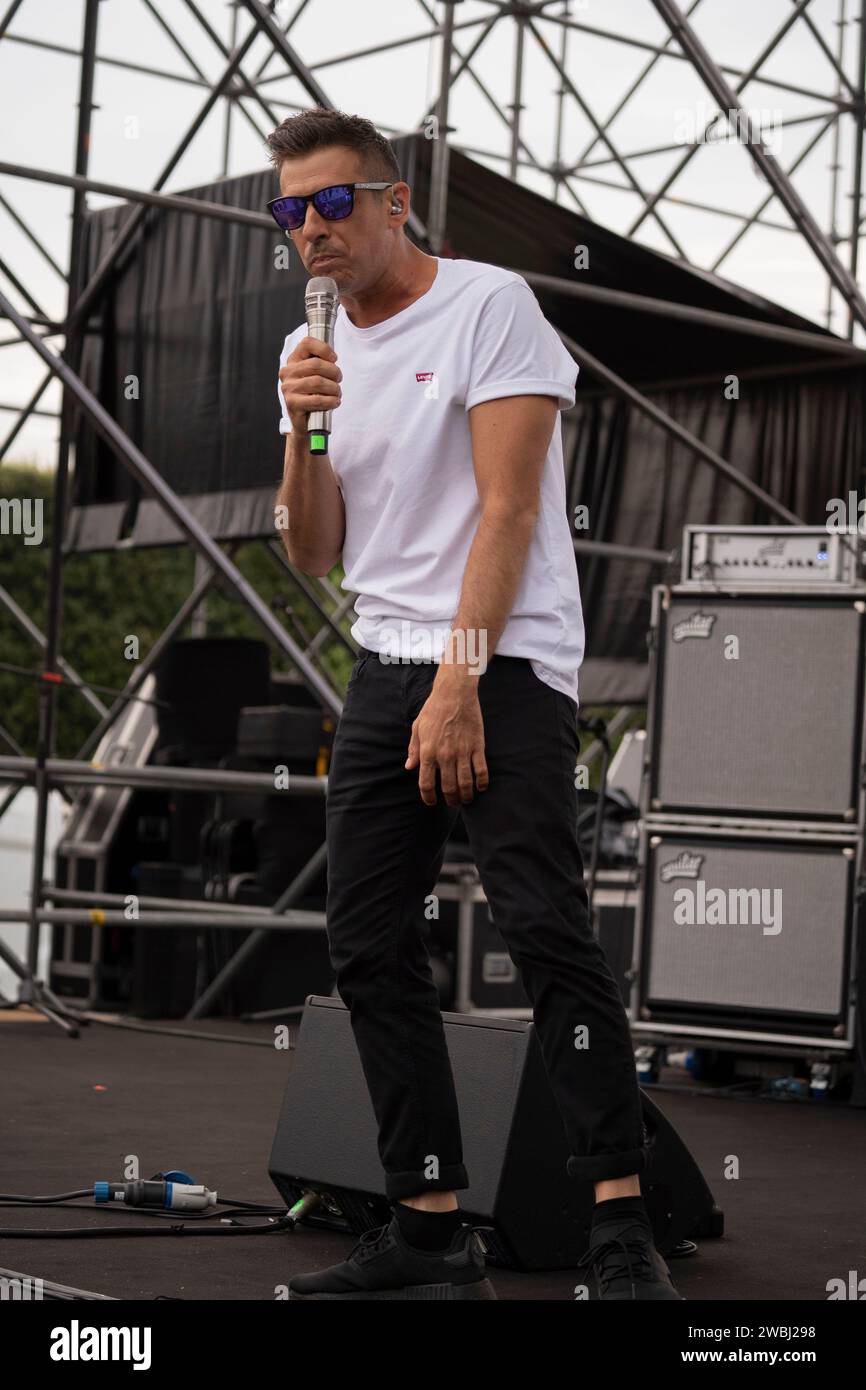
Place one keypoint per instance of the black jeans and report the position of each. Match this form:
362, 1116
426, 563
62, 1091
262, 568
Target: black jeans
385, 850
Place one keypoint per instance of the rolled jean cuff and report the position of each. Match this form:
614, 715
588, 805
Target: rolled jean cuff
600, 1167
451, 1178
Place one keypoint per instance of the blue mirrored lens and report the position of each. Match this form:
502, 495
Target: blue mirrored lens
290, 213
334, 203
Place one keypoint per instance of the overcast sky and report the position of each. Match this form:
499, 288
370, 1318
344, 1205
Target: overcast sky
141, 118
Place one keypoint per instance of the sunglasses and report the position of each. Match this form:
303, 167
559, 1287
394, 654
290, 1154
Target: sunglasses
332, 203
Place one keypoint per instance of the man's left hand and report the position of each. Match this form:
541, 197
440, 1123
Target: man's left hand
449, 735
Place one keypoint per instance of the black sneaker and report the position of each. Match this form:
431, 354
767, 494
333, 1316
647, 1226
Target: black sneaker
627, 1265
382, 1265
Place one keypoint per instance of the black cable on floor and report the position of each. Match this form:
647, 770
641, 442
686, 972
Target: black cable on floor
40, 1201
284, 1223
15, 1199
85, 1016
152, 1211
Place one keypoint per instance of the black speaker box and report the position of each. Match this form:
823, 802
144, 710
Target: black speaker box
204, 683
276, 734
514, 1144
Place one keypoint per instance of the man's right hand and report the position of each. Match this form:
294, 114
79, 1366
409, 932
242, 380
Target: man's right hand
310, 380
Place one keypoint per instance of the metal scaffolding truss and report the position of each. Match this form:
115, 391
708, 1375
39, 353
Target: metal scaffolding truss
259, 53
566, 34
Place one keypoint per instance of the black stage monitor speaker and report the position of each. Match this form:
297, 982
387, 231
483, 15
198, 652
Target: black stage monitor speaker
758, 706
514, 1144
748, 931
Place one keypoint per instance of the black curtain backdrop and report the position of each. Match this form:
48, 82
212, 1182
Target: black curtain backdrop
801, 438
186, 355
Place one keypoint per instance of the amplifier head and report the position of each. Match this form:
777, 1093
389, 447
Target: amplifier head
767, 557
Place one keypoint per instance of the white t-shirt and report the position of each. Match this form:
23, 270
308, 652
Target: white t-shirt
400, 450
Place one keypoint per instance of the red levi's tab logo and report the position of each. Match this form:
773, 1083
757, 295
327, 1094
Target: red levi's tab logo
424, 376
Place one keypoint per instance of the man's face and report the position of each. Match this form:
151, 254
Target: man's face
358, 247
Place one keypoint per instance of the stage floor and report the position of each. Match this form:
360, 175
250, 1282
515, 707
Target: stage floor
73, 1109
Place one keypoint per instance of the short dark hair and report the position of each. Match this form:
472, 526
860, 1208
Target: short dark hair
320, 127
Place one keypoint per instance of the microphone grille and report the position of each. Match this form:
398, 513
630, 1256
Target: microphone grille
321, 284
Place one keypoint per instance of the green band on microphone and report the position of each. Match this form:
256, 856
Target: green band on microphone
318, 443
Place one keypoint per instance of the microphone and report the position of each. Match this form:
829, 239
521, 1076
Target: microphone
321, 300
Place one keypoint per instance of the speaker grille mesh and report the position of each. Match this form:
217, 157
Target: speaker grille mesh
775, 731
797, 970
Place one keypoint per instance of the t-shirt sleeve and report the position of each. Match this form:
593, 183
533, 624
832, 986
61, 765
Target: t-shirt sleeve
517, 352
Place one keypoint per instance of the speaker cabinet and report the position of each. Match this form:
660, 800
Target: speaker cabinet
757, 706
514, 1144
748, 931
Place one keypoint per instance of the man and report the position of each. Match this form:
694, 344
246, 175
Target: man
443, 493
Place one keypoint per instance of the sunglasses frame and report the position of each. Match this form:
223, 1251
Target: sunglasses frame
309, 198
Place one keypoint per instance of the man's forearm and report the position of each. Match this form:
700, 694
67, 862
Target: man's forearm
309, 509
494, 568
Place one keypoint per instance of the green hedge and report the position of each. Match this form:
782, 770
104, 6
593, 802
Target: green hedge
106, 597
